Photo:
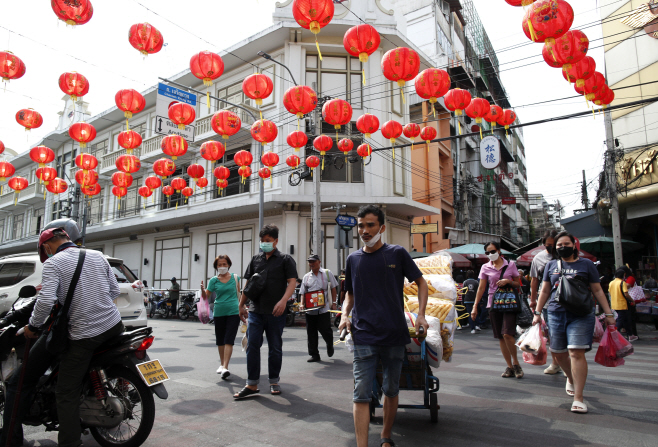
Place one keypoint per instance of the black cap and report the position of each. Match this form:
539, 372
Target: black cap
313, 258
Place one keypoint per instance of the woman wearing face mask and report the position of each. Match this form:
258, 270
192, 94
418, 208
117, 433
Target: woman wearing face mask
571, 334
226, 287
502, 323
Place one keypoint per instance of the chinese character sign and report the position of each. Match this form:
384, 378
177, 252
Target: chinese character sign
490, 152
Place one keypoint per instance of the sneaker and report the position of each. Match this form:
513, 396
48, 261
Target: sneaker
509, 372
220, 370
473, 331
315, 358
633, 338
518, 372
552, 369
226, 373
459, 328
477, 328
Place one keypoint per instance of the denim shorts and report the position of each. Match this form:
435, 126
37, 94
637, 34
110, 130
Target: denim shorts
366, 360
569, 331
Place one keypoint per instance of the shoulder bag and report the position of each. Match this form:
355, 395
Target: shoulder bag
630, 302
57, 332
506, 299
256, 285
573, 294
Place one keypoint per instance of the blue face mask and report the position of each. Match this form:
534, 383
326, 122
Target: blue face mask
267, 246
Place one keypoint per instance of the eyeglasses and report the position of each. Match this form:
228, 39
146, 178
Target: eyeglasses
490, 252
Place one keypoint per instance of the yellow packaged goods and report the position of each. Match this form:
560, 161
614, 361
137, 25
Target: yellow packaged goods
447, 345
441, 261
412, 289
435, 308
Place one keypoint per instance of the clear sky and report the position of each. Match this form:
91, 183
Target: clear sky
556, 153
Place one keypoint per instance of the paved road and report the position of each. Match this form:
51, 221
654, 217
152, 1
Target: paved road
478, 407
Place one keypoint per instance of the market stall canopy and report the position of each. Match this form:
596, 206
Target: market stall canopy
458, 261
525, 260
477, 249
605, 244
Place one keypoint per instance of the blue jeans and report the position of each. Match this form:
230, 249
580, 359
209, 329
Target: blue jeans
366, 359
569, 331
273, 328
483, 312
469, 309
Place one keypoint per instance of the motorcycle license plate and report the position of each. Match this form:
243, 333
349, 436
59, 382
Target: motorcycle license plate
168, 304
152, 372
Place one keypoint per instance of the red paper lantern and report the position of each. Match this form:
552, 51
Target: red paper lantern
367, 124
83, 133
257, 87
312, 162
212, 150
293, 161
264, 173
168, 191
46, 174
361, 41
91, 190
411, 131
164, 167
181, 114
270, 159
173, 145
225, 123
337, 112
580, 71
87, 177
129, 140
28, 118
392, 130
207, 65
323, 144
593, 85
152, 182
42, 155
400, 65
313, 15
129, 101
432, 84
74, 84
178, 184
145, 191
549, 58
11, 66
145, 38
297, 140
244, 172
606, 98
77, 12
202, 182
128, 164
119, 191
547, 20
57, 186
568, 49
478, 108
507, 118
187, 192
86, 162
6, 170
457, 100
195, 171
427, 134
364, 151
122, 179
264, 131
17, 183
520, 2
221, 184
221, 173
345, 145
495, 112
300, 100
243, 158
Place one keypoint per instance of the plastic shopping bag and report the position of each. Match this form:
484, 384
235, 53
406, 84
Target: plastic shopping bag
538, 358
204, 311
612, 349
598, 330
531, 341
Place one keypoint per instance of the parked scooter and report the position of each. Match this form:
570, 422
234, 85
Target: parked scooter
116, 404
162, 305
187, 307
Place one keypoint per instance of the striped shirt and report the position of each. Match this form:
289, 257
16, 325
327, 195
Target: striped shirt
92, 310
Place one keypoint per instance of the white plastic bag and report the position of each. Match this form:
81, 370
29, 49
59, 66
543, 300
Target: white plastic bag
531, 341
434, 348
349, 343
245, 340
9, 365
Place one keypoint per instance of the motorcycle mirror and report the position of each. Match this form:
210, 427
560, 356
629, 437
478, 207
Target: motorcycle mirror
27, 292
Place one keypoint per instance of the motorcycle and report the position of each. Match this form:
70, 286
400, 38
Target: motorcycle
187, 307
116, 404
162, 305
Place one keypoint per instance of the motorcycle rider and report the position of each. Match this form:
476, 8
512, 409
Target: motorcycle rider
93, 319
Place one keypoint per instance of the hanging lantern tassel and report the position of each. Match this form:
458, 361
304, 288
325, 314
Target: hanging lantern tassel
127, 125
270, 177
363, 72
401, 84
531, 28
460, 127
16, 199
481, 133
393, 147
593, 113
317, 45
433, 109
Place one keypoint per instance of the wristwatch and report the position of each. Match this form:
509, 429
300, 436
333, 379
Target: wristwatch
537, 312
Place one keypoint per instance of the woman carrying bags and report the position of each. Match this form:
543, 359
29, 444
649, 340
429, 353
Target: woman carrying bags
503, 280
226, 287
570, 281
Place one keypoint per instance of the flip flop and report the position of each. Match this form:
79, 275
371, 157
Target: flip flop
275, 390
578, 407
385, 440
570, 389
244, 392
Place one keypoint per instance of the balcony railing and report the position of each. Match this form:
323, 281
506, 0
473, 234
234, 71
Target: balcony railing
151, 147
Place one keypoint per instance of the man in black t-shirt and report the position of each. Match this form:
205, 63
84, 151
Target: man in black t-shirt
472, 285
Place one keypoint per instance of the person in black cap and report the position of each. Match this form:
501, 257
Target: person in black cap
318, 320
174, 291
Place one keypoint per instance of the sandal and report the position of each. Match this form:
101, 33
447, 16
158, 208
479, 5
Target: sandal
244, 392
570, 389
275, 390
578, 407
386, 440
509, 372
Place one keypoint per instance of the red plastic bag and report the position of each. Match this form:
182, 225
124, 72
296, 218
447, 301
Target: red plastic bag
204, 310
612, 349
598, 330
538, 357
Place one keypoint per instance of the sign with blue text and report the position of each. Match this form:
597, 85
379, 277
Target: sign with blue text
490, 152
346, 221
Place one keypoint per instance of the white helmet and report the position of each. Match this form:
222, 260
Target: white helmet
68, 225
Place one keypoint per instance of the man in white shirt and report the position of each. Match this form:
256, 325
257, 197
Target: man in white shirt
318, 320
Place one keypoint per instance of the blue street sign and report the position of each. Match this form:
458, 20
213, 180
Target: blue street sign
346, 221
177, 94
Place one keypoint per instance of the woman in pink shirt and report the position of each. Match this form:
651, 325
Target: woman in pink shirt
502, 323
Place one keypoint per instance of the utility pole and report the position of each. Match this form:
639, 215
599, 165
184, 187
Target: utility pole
458, 165
584, 198
261, 193
338, 260
317, 247
467, 215
612, 189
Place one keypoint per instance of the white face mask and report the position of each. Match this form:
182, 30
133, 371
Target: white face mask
493, 257
222, 270
372, 242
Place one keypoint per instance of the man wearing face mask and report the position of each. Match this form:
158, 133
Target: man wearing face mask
374, 280
267, 310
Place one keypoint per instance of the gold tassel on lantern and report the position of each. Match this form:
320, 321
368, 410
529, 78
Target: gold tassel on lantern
363, 57
401, 84
531, 28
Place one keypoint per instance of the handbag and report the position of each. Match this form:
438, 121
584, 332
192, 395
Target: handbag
573, 294
630, 302
256, 285
637, 293
57, 332
525, 317
506, 299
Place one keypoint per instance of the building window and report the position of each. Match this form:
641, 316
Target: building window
61, 208
237, 244
337, 168
177, 197
99, 149
129, 204
94, 210
64, 165
17, 227
336, 76
235, 185
172, 260
37, 221
2, 229
396, 98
